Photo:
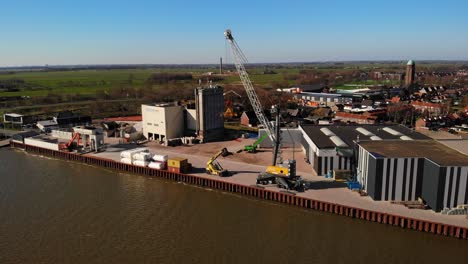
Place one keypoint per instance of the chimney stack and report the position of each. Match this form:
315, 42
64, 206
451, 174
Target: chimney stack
221, 65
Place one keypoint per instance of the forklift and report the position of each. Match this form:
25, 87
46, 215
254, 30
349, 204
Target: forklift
214, 168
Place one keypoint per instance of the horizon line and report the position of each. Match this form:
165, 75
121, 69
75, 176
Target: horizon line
250, 63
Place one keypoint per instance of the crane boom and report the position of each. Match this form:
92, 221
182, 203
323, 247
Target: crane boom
239, 61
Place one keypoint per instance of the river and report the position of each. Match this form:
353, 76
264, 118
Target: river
54, 211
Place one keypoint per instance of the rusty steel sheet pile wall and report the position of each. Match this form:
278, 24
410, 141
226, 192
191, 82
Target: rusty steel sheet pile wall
261, 193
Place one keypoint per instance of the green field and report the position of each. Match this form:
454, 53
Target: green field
69, 90
72, 82
88, 82
91, 82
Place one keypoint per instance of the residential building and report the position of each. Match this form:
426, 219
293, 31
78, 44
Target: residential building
430, 108
325, 99
355, 118
249, 118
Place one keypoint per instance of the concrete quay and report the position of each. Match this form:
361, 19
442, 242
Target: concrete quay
325, 197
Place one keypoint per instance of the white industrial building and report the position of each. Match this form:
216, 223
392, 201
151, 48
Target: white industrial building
163, 121
329, 148
191, 119
17, 119
89, 138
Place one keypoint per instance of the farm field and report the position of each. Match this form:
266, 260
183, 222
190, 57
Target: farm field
88, 82
79, 81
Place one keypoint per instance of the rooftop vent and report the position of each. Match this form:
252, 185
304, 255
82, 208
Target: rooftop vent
327, 132
405, 138
365, 132
392, 131
338, 141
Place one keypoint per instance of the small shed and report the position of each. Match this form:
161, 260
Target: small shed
249, 118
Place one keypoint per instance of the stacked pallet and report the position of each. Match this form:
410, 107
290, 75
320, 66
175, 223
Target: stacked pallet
158, 162
128, 156
144, 158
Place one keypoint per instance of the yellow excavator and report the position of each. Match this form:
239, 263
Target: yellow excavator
214, 168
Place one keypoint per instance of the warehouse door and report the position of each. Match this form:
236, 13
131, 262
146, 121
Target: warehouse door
306, 149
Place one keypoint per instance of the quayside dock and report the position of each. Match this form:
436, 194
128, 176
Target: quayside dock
423, 225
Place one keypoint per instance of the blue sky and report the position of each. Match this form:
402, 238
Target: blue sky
154, 31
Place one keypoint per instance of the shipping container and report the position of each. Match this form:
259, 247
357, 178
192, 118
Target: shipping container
178, 162
174, 169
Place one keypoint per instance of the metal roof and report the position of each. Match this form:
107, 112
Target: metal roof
460, 145
348, 134
430, 149
46, 123
13, 115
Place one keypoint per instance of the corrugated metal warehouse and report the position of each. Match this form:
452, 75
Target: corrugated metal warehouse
331, 147
408, 170
210, 106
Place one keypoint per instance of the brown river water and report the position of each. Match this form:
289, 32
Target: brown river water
53, 211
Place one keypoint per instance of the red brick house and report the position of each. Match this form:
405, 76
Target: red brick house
421, 123
249, 119
356, 118
434, 109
